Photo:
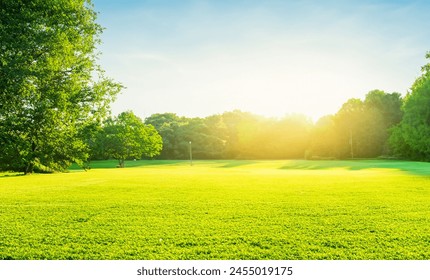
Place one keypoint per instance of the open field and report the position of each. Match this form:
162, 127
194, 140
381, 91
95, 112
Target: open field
219, 210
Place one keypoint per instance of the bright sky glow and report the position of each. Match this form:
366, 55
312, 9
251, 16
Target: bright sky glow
203, 57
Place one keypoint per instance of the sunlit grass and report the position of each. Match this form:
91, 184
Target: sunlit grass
219, 210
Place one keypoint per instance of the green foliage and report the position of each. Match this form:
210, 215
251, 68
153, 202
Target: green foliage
323, 139
232, 135
177, 132
47, 90
359, 129
305, 210
411, 138
126, 136
388, 105
362, 127
275, 139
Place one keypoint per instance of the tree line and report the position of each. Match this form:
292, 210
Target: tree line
54, 108
360, 129
379, 125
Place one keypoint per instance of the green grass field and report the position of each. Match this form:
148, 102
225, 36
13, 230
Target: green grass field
219, 210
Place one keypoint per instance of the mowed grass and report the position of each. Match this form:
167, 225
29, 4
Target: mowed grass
219, 210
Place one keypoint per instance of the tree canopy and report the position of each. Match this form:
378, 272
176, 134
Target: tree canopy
362, 126
411, 138
51, 87
127, 137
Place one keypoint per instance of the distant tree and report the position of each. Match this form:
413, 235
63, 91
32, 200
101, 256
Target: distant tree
238, 132
363, 126
127, 137
92, 135
382, 111
291, 137
388, 104
411, 138
216, 130
50, 84
204, 133
169, 126
272, 138
250, 136
323, 143
349, 124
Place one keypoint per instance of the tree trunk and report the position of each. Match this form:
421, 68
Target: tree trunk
29, 168
30, 165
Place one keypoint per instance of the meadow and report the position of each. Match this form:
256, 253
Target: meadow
307, 210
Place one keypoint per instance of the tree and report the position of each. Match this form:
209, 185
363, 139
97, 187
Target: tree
202, 133
127, 137
411, 138
363, 126
323, 139
216, 131
168, 126
205, 134
349, 125
238, 130
388, 104
51, 87
382, 111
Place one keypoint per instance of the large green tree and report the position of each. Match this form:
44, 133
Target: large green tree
411, 138
51, 87
127, 137
362, 127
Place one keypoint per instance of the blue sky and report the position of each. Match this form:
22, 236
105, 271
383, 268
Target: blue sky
197, 58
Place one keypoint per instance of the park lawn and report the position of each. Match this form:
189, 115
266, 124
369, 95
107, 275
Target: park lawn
303, 210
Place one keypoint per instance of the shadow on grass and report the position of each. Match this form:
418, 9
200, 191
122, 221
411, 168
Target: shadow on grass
416, 168
7, 175
103, 164
237, 163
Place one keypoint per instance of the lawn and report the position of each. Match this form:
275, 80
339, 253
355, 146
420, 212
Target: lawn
219, 210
